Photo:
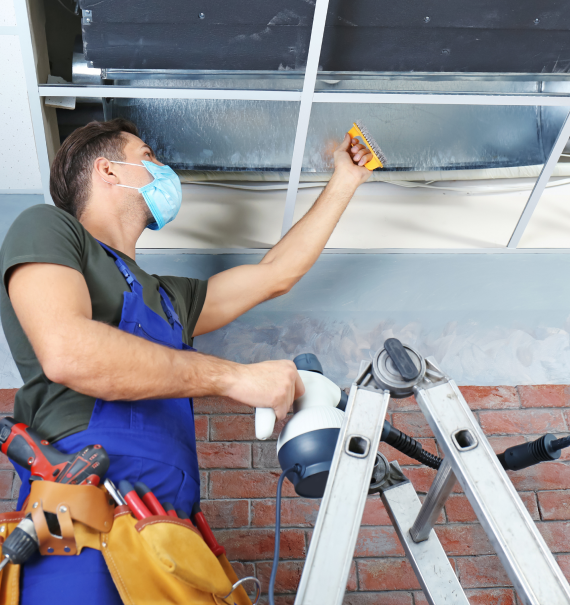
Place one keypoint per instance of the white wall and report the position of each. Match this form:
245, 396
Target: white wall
7, 13
19, 168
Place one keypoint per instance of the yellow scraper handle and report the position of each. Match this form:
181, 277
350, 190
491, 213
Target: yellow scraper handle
374, 162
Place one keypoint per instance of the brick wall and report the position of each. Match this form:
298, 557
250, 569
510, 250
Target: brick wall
239, 479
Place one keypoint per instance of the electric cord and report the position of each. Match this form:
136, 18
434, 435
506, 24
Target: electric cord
409, 446
296, 468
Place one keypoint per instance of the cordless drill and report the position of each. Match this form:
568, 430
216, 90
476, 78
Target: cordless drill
25, 447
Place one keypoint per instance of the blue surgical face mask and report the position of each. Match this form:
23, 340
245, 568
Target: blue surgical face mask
163, 195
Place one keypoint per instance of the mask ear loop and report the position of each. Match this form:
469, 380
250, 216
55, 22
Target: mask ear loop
119, 185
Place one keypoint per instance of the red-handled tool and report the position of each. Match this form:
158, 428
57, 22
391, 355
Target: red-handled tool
201, 523
137, 506
182, 515
169, 510
144, 493
25, 447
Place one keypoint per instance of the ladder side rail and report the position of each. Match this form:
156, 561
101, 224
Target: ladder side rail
523, 552
331, 550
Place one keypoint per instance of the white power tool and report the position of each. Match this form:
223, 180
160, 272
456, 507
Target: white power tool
310, 437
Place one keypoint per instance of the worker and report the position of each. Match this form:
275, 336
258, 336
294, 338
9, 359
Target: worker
105, 349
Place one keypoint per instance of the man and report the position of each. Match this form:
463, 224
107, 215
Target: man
104, 348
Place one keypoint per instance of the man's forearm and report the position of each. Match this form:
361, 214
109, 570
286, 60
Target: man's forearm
296, 253
102, 361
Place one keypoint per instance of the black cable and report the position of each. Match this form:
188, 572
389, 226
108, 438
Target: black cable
296, 468
409, 446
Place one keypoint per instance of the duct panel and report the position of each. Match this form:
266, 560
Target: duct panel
259, 136
370, 35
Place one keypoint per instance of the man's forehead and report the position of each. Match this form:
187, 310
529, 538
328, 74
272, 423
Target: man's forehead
134, 143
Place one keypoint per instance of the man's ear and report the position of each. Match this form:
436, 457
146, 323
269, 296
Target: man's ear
103, 169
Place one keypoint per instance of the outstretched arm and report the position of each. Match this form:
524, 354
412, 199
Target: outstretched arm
235, 291
53, 306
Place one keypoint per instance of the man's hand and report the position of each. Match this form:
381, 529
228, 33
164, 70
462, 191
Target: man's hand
349, 160
269, 384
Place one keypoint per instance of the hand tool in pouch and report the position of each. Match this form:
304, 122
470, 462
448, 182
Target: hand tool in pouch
378, 158
137, 506
208, 535
169, 508
25, 447
149, 499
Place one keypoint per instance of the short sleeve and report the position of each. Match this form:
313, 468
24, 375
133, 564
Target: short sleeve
43, 234
188, 296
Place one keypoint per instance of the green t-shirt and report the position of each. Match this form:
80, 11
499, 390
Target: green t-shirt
46, 234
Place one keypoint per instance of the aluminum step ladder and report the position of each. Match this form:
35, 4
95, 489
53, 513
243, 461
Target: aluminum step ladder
469, 459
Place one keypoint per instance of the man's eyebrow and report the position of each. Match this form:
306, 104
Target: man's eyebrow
148, 147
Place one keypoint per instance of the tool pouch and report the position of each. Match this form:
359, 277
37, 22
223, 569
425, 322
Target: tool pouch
160, 559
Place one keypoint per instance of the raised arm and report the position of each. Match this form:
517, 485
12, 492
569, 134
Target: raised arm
235, 291
53, 306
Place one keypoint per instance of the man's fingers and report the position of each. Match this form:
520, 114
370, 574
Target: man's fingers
365, 159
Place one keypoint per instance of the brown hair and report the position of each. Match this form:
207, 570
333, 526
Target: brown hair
70, 176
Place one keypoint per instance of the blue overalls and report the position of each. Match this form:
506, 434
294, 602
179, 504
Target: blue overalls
151, 441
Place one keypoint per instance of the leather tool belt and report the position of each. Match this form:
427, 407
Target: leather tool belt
159, 559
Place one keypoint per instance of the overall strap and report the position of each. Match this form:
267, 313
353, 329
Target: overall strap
131, 280
168, 309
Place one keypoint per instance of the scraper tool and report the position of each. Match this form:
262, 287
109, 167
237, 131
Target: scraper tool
359, 130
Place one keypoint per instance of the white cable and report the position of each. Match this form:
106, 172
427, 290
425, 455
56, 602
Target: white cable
410, 184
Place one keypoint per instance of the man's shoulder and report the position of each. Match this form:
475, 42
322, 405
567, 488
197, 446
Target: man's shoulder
43, 233
44, 215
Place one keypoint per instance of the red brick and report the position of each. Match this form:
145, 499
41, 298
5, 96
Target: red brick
258, 544
408, 404
222, 514
299, 512
378, 542
220, 405
502, 442
422, 478
458, 508
8, 506
545, 396
375, 513
7, 400
378, 598
554, 505
5, 462
564, 563
247, 484
265, 454
393, 454
556, 534
522, 422
224, 455
238, 427
201, 424
413, 424
289, 574
203, 485
279, 600
545, 476
386, 574
482, 571
484, 596
490, 398
464, 540
243, 570
6, 480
